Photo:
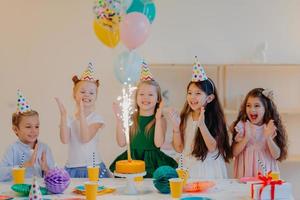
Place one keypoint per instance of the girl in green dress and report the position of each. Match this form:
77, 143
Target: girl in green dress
147, 133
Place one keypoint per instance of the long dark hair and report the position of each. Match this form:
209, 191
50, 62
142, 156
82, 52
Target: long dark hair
214, 120
271, 112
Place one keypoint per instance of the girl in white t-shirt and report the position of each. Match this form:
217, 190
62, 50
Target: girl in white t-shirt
81, 131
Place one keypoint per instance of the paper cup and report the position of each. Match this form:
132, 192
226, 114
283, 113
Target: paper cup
91, 190
93, 173
176, 185
183, 174
275, 175
18, 174
138, 179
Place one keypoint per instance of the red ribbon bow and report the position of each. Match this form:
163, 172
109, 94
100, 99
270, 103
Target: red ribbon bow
267, 180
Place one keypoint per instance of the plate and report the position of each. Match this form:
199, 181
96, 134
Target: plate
24, 189
195, 198
81, 188
198, 186
248, 179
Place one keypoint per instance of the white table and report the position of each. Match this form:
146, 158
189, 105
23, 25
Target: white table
228, 189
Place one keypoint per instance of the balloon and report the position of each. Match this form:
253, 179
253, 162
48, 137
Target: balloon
127, 67
107, 32
147, 7
118, 6
134, 30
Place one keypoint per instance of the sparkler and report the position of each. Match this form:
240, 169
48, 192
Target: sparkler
127, 109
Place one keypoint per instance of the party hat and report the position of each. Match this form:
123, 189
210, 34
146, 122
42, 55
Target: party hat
198, 72
35, 192
145, 73
22, 104
88, 74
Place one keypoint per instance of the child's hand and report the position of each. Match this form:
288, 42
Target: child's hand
239, 128
31, 161
175, 118
80, 105
159, 111
248, 130
270, 129
201, 120
61, 107
43, 162
238, 137
117, 110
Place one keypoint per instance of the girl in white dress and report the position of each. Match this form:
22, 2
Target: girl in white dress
200, 132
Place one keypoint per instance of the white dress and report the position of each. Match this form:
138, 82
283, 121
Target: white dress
210, 168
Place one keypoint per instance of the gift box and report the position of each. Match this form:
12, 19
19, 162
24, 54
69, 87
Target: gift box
283, 191
269, 189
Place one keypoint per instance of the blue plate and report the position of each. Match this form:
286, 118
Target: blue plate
82, 188
195, 198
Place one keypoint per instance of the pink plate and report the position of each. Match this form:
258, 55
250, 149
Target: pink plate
198, 186
248, 179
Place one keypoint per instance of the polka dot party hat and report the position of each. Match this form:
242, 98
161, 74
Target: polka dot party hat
89, 73
198, 72
35, 192
145, 73
22, 104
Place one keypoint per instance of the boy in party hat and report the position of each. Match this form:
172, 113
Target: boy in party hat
81, 131
200, 132
148, 129
27, 151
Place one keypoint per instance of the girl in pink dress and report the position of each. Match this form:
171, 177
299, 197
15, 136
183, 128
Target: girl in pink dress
258, 134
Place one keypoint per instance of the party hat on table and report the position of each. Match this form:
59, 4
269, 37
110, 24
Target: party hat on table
22, 104
35, 192
89, 73
198, 72
145, 73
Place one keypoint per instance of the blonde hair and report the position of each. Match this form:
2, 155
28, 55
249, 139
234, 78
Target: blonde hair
135, 126
18, 116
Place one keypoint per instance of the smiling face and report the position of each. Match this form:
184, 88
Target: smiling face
28, 129
85, 91
196, 97
146, 98
255, 110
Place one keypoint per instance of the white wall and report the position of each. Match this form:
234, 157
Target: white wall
44, 42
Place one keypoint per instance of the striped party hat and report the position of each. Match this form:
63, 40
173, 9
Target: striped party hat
22, 104
145, 73
89, 73
198, 72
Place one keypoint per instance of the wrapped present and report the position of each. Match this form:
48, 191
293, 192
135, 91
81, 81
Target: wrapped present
269, 189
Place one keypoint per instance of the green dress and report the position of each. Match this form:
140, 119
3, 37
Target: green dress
143, 148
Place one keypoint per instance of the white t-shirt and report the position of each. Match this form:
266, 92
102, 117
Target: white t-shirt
81, 154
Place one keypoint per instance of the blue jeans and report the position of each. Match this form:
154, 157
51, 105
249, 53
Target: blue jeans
81, 172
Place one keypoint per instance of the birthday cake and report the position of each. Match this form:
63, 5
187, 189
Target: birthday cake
130, 166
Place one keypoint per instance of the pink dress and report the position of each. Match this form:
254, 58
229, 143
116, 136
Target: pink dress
246, 163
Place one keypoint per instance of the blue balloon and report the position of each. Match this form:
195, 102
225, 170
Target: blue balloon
127, 67
146, 7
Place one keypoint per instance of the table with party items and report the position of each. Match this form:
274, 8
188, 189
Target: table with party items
167, 183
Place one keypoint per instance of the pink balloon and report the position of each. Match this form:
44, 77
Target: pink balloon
134, 30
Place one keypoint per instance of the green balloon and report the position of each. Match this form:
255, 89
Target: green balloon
146, 7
